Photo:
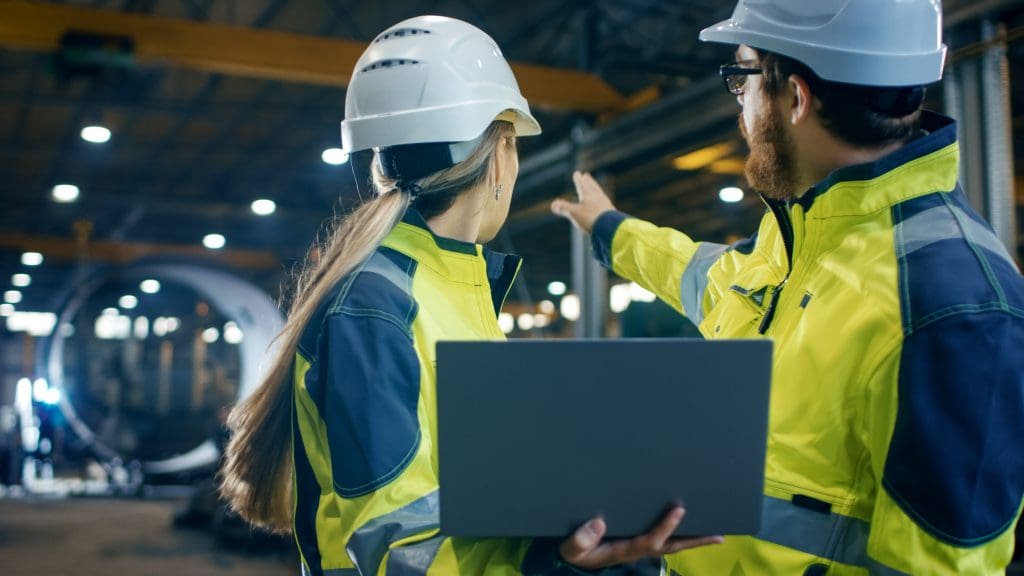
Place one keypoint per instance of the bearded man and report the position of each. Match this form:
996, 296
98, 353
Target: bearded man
896, 435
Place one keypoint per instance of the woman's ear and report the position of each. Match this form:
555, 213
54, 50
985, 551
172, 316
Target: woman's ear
498, 162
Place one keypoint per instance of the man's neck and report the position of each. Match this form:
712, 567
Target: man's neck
838, 155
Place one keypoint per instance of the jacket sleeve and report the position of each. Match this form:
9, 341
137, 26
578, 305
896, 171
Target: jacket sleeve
665, 261
945, 428
384, 478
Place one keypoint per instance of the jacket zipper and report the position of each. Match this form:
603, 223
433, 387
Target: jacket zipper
786, 228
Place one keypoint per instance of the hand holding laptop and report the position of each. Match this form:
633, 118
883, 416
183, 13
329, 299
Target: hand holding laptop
585, 549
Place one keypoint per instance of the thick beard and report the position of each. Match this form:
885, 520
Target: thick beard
771, 165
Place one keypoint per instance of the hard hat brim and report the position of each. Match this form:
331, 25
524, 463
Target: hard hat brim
464, 123
862, 68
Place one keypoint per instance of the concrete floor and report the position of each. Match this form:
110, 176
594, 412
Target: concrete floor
83, 537
114, 537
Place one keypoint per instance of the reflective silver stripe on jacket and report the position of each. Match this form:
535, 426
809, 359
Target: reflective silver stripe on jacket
946, 223
371, 541
695, 279
332, 572
414, 559
823, 534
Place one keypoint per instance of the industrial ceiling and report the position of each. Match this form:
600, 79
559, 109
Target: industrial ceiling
214, 104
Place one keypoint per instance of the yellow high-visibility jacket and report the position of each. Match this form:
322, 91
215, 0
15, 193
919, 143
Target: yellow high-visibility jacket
896, 428
364, 427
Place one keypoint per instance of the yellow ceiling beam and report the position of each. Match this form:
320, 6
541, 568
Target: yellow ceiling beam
703, 157
69, 249
731, 166
267, 54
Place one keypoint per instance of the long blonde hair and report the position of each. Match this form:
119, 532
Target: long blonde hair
256, 479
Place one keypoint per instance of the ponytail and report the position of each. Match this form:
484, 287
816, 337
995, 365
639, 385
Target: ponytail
257, 474
258, 461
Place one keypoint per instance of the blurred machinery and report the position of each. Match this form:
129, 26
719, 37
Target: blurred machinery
141, 367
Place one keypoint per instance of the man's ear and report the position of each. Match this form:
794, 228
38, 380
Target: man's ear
801, 101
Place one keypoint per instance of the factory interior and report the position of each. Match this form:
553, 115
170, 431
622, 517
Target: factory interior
169, 165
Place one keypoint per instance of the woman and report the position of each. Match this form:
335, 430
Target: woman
338, 443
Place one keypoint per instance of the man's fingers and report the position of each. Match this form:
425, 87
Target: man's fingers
585, 549
577, 182
561, 208
618, 552
650, 544
583, 541
678, 544
658, 536
585, 185
565, 209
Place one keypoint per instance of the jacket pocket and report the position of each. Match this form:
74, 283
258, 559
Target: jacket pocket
737, 313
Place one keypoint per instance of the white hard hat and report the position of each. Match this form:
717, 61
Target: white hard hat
867, 42
430, 79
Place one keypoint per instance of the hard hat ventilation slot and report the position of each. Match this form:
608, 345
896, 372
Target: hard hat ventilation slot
400, 33
390, 63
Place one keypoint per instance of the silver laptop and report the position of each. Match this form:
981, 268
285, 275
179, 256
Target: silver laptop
536, 437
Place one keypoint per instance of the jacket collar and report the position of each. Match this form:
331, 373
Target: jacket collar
927, 164
453, 259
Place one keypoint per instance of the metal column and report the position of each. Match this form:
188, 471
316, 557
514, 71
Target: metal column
589, 279
590, 282
977, 94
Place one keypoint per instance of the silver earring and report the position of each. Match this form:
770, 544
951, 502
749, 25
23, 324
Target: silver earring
497, 192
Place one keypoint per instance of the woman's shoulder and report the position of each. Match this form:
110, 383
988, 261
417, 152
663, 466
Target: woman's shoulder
381, 286
379, 289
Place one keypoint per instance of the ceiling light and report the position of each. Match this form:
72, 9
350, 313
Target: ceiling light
570, 307
12, 296
21, 280
213, 241
334, 156
618, 298
6, 309
34, 323
730, 194
150, 286
556, 288
525, 321
52, 397
65, 192
263, 207
96, 134
31, 258
39, 388
210, 335
140, 328
232, 333
112, 327
638, 293
128, 302
506, 322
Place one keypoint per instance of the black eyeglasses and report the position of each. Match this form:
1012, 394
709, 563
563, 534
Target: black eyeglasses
735, 76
